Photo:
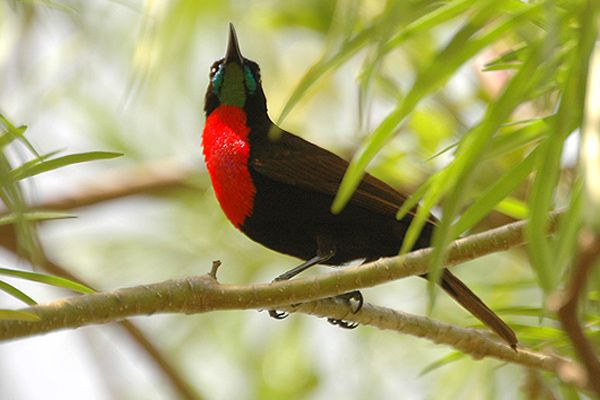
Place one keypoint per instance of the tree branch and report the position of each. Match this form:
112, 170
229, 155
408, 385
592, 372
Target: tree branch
146, 178
202, 294
476, 343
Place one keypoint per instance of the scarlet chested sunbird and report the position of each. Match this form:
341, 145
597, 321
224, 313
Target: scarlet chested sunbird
278, 189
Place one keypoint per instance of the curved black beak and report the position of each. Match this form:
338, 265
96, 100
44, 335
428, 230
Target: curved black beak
233, 49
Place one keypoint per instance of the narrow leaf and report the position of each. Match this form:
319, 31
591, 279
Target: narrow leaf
16, 133
59, 162
447, 359
470, 152
565, 243
460, 49
513, 208
414, 198
326, 64
33, 216
491, 197
16, 293
15, 315
48, 279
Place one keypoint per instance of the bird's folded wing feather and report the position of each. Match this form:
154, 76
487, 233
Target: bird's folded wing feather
295, 161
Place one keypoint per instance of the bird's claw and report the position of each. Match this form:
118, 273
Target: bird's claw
278, 314
342, 323
355, 301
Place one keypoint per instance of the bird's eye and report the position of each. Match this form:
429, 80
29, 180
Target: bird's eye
213, 71
216, 73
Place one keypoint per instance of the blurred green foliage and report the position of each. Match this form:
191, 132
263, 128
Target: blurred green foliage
469, 105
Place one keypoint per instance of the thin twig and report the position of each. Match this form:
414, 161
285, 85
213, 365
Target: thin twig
534, 387
144, 179
474, 342
566, 303
149, 178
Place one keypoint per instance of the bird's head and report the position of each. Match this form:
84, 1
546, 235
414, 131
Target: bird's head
235, 81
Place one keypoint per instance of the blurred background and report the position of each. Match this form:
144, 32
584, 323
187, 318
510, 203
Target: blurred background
129, 76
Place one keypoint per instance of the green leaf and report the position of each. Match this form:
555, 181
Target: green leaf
370, 34
509, 60
12, 198
470, 152
48, 165
443, 151
13, 133
513, 208
33, 216
31, 163
568, 116
495, 193
326, 64
569, 392
565, 244
511, 139
540, 201
48, 279
447, 359
16, 293
15, 315
431, 198
461, 48
430, 20
524, 312
542, 333
413, 199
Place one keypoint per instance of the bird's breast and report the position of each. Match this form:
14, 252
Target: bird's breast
226, 153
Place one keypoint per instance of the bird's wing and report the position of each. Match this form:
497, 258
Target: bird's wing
294, 161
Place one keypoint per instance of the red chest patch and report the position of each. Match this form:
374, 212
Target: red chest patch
226, 152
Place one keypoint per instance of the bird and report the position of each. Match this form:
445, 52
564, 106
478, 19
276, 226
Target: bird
278, 188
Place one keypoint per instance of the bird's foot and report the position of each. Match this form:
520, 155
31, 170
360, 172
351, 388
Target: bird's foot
342, 323
278, 314
355, 301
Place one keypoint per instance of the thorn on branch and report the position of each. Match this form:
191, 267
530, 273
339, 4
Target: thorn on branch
213, 271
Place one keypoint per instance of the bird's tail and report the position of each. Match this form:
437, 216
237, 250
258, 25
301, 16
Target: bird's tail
469, 300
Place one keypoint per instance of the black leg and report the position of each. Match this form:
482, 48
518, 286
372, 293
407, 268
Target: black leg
303, 267
325, 250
